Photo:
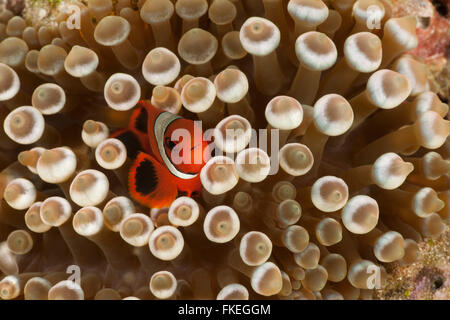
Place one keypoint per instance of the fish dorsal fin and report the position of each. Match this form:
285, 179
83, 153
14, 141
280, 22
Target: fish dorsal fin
139, 119
162, 121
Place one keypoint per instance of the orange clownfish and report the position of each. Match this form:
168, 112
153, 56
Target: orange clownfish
155, 178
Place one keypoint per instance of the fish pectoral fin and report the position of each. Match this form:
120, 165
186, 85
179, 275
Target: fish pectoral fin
150, 183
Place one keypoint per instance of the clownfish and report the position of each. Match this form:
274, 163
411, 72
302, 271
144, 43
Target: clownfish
155, 179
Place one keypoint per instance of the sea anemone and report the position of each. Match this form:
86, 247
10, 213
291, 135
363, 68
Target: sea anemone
329, 164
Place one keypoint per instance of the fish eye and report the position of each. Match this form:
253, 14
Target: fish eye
169, 143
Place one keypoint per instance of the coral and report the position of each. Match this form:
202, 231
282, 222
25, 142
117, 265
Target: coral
427, 278
434, 38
